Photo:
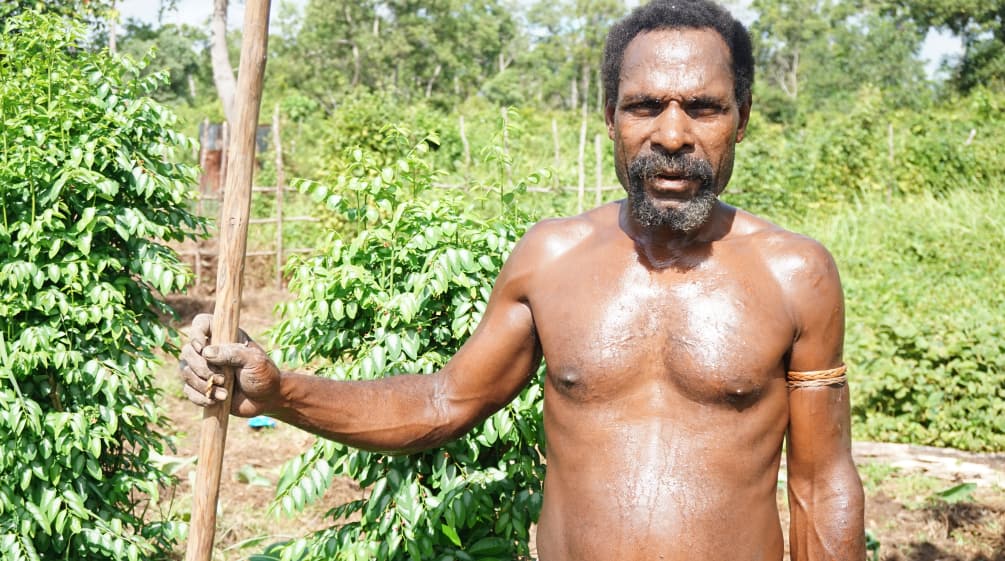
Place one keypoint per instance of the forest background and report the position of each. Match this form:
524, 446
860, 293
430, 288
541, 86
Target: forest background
428, 135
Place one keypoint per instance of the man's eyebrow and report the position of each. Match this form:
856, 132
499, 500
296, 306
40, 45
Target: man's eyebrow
705, 100
640, 98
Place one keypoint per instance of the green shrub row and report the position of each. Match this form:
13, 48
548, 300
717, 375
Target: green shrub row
925, 339
88, 196
831, 157
837, 158
397, 291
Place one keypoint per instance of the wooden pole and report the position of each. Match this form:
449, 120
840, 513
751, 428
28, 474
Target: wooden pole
280, 187
230, 268
558, 154
506, 158
467, 148
581, 163
598, 170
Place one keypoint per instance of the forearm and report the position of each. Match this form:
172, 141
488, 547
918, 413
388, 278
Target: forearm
399, 414
827, 519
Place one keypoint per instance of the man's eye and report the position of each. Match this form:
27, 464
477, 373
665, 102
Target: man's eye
704, 110
644, 108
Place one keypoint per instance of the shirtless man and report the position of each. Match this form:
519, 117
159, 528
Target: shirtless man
670, 323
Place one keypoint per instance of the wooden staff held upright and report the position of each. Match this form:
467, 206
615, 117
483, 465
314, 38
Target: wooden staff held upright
233, 245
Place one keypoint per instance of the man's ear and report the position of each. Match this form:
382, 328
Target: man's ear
609, 118
741, 130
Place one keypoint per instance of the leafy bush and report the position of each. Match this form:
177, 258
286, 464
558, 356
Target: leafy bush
925, 340
836, 158
398, 293
362, 120
87, 188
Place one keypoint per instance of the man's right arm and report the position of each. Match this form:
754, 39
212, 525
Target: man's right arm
398, 414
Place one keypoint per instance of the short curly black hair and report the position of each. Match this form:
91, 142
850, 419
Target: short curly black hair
679, 14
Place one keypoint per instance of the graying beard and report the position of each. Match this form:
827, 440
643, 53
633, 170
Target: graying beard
688, 218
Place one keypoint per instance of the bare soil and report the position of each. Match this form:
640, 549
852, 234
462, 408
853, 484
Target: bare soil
902, 511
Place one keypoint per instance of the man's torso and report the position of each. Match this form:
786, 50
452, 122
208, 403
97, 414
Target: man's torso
665, 398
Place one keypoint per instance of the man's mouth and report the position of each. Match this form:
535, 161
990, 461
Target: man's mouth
673, 182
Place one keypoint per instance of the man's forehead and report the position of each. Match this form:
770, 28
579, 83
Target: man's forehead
693, 57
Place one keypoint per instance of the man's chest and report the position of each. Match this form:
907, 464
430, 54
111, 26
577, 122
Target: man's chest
708, 335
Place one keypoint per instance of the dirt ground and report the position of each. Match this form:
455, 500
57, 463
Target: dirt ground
903, 512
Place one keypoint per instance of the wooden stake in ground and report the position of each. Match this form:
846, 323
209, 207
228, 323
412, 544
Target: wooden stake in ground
230, 269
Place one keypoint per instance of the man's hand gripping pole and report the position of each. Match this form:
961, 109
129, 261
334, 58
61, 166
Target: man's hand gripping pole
233, 245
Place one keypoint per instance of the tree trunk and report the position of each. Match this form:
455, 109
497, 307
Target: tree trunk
600, 91
355, 59
223, 72
574, 93
788, 77
429, 85
113, 31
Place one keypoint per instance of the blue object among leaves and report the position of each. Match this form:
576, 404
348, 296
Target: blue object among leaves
261, 422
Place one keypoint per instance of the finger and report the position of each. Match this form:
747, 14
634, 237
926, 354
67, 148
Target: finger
219, 393
201, 331
195, 397
200, 382
215, 393
230, 354
192, 363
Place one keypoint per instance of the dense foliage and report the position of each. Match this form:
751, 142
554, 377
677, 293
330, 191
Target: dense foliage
866, 148
397, 293
924, 337
981, 26
91, 10
849, 142
87, 197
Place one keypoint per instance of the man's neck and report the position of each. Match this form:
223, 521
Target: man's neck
662, 247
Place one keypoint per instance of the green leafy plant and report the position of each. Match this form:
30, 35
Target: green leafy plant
956, 493
398, 294
88, 194
924, 336
872, 545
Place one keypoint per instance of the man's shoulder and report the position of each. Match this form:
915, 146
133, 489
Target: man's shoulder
552, 237
540, 252
779, 246
802, 268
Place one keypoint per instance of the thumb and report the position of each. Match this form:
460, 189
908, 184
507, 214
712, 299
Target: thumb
224, 355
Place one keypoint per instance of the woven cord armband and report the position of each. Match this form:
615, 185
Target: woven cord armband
817, 378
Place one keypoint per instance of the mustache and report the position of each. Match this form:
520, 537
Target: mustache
653, 164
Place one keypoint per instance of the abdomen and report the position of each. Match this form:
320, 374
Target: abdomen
690, 482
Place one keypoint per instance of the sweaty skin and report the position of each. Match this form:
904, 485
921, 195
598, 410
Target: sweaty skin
665, 400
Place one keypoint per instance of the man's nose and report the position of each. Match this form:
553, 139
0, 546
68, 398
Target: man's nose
672, 129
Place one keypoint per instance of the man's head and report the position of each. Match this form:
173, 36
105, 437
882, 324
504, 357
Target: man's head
678, 76
680, 14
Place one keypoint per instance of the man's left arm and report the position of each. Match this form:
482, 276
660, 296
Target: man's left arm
826, 500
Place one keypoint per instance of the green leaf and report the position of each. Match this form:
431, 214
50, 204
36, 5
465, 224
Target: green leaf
393, 345
247, 474
489, 547
957, 493
451, 534
84, 243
